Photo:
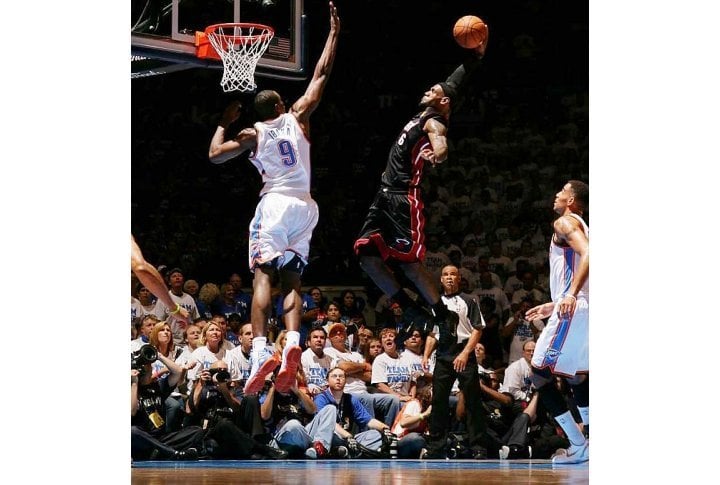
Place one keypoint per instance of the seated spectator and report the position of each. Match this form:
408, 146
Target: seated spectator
315, 362
411, 423
357, 374
390, 373
356, 429
207, 295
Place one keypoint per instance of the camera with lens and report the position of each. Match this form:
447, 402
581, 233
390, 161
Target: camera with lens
486, 378
143, 356
220, 375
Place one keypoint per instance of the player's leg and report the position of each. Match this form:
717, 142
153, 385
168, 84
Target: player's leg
373, 247
428, 288
553, 400
299, 221
262, 359
580, 385
292, 312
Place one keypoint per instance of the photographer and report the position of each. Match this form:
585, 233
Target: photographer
507, 422
296, 426
231, 424
149, 440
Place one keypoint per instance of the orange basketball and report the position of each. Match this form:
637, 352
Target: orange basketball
470, 31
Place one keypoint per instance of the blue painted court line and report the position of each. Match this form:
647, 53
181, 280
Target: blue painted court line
363, 464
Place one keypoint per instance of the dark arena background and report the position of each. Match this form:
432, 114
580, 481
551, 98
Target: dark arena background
521, 132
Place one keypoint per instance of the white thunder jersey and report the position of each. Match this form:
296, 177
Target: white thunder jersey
563, 263
282, 156
563, 344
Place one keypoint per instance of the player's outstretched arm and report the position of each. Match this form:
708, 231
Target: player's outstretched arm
153, 280
220, 150
303, 107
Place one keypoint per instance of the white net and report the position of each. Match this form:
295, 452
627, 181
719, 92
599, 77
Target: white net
240, 46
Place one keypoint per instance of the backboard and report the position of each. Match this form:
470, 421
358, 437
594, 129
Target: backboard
164, 30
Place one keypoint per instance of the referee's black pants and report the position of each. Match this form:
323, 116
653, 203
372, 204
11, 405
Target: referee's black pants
444, 377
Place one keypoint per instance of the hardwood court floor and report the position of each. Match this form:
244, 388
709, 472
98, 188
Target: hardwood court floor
359, 472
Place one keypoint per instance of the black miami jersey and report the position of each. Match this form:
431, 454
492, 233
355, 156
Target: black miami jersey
404, 164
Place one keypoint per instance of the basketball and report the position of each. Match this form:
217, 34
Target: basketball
470, 31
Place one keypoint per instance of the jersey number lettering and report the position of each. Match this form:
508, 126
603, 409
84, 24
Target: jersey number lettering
287, 154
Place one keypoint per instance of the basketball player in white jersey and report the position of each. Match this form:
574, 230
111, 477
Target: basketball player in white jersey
286, 215
562, 348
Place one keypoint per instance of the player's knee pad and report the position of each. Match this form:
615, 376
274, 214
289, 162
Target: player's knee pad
581, 392
552, 399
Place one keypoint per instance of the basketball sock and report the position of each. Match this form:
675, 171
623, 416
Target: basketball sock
568, 425
258, 344
293, 340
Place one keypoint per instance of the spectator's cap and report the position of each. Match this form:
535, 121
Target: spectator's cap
337, 328
173, 271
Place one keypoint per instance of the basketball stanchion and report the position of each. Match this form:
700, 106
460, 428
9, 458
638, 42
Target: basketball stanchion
239, 46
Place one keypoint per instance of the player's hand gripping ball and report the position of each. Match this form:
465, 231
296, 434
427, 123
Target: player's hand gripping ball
470, 31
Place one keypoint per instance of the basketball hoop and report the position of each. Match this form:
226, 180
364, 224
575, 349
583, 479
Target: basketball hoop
239, 46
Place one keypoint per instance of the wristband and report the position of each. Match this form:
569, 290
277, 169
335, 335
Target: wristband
177, 309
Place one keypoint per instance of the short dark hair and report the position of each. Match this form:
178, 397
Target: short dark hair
582, 194
265, 102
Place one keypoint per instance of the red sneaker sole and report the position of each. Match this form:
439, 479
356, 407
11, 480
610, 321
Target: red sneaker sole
257, 382
286, 377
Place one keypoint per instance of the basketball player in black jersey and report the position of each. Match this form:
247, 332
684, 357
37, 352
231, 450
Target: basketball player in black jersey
393, 236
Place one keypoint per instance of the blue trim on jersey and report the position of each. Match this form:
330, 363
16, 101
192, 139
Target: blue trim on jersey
255, 225
555, 349
569, 256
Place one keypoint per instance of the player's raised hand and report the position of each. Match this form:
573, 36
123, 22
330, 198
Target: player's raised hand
480, 50
231, 113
